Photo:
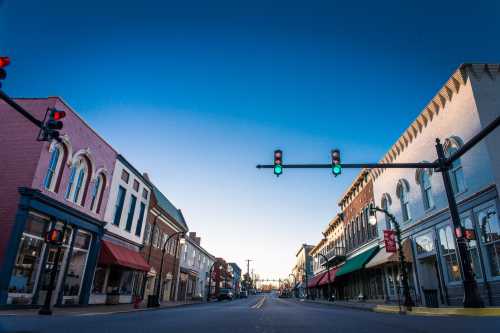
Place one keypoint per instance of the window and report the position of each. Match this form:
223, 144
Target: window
120, 199
402, 191
449, 253
147, 233
489, 230
386, 202
136, 185
97, 193
425, 186
456, 172
125, 176
472, 248
78, 181
145, 194
138, 227
50, 178
131, 211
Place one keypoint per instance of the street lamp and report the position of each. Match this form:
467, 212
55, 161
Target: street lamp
408, 302
182, 241
328, 273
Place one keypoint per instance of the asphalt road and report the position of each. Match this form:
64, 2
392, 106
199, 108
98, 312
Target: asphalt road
264, 314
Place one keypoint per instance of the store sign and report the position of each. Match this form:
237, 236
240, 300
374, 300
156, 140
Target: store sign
390, 240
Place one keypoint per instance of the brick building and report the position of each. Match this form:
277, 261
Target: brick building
163, 220
221, 276
63, 185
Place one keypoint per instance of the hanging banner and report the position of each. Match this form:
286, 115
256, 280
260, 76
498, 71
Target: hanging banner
390, 241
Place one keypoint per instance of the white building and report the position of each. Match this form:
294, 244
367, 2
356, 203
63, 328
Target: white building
468, 101
121, 265
195, 263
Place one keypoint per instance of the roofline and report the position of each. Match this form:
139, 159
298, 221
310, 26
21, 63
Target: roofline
134, 170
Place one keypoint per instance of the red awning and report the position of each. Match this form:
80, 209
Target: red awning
312, 283
325, 280
114, 254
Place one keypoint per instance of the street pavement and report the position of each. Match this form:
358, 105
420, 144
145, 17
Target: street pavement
261, 313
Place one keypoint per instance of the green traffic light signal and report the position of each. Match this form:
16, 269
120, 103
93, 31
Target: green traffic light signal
337, 170
278, 170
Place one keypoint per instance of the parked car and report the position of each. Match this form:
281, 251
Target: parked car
225, 293
243, 294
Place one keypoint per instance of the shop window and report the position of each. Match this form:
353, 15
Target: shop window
472, 248
402, 190
76, 266
449, 253
126, 283
489, 229
99, 278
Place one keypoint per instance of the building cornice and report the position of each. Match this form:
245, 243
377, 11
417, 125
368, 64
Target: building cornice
437, 104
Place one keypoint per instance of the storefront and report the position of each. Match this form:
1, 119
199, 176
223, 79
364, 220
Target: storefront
29, 261
119, 273
353, 280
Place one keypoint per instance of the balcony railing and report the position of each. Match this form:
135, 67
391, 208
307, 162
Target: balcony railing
334, 256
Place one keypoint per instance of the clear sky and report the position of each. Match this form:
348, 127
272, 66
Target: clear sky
196, 93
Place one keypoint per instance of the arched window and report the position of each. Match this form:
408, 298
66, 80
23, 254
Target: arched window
402, 191
424, 180
97, 193
385, 204
78, 181
456, 172
54, 169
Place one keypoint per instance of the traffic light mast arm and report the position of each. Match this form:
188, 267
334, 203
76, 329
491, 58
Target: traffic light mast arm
20, 109
421, 165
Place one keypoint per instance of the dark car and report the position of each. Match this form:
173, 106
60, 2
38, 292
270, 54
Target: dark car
225, 293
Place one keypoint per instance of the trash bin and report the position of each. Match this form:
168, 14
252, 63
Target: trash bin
152, 301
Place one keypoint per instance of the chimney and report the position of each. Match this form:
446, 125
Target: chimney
192, 235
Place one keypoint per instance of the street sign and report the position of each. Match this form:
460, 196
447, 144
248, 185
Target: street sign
390, 241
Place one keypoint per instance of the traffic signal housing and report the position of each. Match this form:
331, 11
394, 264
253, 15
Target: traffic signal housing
278, 162
54, 236
4, 62
53, 124
336, 166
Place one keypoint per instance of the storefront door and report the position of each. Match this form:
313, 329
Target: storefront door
429, 281
45, 276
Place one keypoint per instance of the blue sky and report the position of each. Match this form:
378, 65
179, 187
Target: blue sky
197, 93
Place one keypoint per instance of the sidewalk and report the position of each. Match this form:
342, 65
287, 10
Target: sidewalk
416, 311
100, 309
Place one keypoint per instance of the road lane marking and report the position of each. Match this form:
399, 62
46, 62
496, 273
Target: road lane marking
259, 304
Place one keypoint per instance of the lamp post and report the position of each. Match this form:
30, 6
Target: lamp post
182, 241
408, 302
328, 273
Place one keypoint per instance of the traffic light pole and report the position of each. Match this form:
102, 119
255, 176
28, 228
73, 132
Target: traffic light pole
20, 109
443, 165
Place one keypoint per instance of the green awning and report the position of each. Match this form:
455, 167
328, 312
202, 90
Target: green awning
358, 262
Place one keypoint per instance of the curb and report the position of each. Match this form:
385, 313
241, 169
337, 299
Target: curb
88, 314
420, 311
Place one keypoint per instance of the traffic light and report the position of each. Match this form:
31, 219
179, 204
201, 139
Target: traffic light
53, 124
4, 62
336, 166
53, 236
278, 162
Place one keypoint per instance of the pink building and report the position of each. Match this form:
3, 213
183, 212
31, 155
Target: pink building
43, 185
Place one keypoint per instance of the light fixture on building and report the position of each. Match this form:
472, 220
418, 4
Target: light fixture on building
372, 219
182, 241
